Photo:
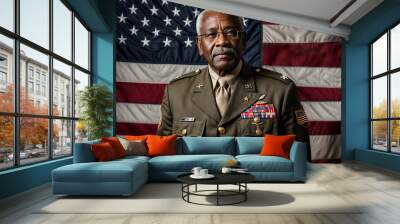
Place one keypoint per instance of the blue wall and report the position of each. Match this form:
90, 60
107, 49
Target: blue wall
99, 16
356, 85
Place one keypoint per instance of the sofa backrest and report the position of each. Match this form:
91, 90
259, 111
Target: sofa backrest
206, 145
249, 145
83, 152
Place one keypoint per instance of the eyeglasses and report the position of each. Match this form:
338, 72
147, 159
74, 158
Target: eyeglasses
228, 33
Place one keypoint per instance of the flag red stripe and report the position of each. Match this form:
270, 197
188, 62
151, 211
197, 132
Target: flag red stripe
148, 93
319, 94
327, 54
135, 129
315, 128
324, 127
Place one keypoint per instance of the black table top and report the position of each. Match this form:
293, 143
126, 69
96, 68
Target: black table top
220, 178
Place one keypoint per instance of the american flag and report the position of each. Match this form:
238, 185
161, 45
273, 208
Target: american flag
155, 43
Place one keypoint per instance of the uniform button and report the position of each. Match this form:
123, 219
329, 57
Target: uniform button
221, 130
258, 70
184, 132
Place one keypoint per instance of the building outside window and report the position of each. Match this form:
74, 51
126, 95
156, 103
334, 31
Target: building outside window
57, 128
30, 87
385, 93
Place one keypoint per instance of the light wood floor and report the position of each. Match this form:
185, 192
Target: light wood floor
377, 189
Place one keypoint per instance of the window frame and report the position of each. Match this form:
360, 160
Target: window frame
388, 74
15, 71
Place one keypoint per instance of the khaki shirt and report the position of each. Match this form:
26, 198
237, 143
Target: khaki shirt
189, 107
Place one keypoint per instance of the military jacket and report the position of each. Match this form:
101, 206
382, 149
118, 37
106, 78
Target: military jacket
263, 102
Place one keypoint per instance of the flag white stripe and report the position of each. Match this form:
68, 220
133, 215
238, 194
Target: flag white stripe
150, 113
164, 73
286, 34
151, 73
138, 113
323, 111
325, 147
311, 76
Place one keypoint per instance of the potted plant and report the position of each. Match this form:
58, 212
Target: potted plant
96, 102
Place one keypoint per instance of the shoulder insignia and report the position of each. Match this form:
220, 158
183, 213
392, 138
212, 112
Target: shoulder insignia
187, 75
275, 75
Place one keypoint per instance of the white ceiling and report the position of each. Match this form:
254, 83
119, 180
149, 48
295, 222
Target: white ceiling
317, 15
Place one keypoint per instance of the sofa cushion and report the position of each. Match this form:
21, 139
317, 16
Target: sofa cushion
103, 151
257, 163
185, 163
206, 145
111, 171
116, 145
161, 145
275, 145
249, 145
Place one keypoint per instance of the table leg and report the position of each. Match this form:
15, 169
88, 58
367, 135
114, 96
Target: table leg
217, 194
196, 188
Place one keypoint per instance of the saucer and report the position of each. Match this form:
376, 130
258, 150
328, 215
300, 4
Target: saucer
208, 176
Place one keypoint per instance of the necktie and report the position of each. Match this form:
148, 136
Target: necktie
222, 96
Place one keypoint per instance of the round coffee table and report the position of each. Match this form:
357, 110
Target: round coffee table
238, 179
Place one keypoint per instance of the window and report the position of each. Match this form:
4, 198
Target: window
30, 72
30, 87
46, 74
385, 94
43, 90
3, 71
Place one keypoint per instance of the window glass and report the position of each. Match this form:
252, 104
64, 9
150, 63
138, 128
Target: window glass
395, 95
395, 47
379, 56
81, 45
34, 21
62, 138
6, 142
33, 139
7, 14
379, 98
62, 29
81, 81
379, 135
395, 136
6, 74
39, 61
81, 131
62, 91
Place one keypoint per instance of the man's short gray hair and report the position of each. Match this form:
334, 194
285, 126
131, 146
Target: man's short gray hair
201, 15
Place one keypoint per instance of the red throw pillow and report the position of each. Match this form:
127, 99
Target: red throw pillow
275, 145
161, 145
103, 151
116, 145
135, 137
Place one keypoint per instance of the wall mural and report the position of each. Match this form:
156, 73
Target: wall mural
156, 44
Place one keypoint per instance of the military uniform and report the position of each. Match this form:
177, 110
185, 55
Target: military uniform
262, 102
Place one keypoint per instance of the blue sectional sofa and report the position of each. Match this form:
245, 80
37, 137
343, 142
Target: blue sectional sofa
125, 176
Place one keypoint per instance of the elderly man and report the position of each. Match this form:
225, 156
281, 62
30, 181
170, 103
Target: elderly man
229, 98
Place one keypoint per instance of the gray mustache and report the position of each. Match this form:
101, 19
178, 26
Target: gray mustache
223, 50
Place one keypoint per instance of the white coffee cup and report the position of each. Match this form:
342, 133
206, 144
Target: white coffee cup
196, 170
226, 170
203, 172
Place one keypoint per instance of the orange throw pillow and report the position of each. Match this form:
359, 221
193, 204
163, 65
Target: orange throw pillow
103, 151
135, 137
275, 145
161, 145
116, 145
